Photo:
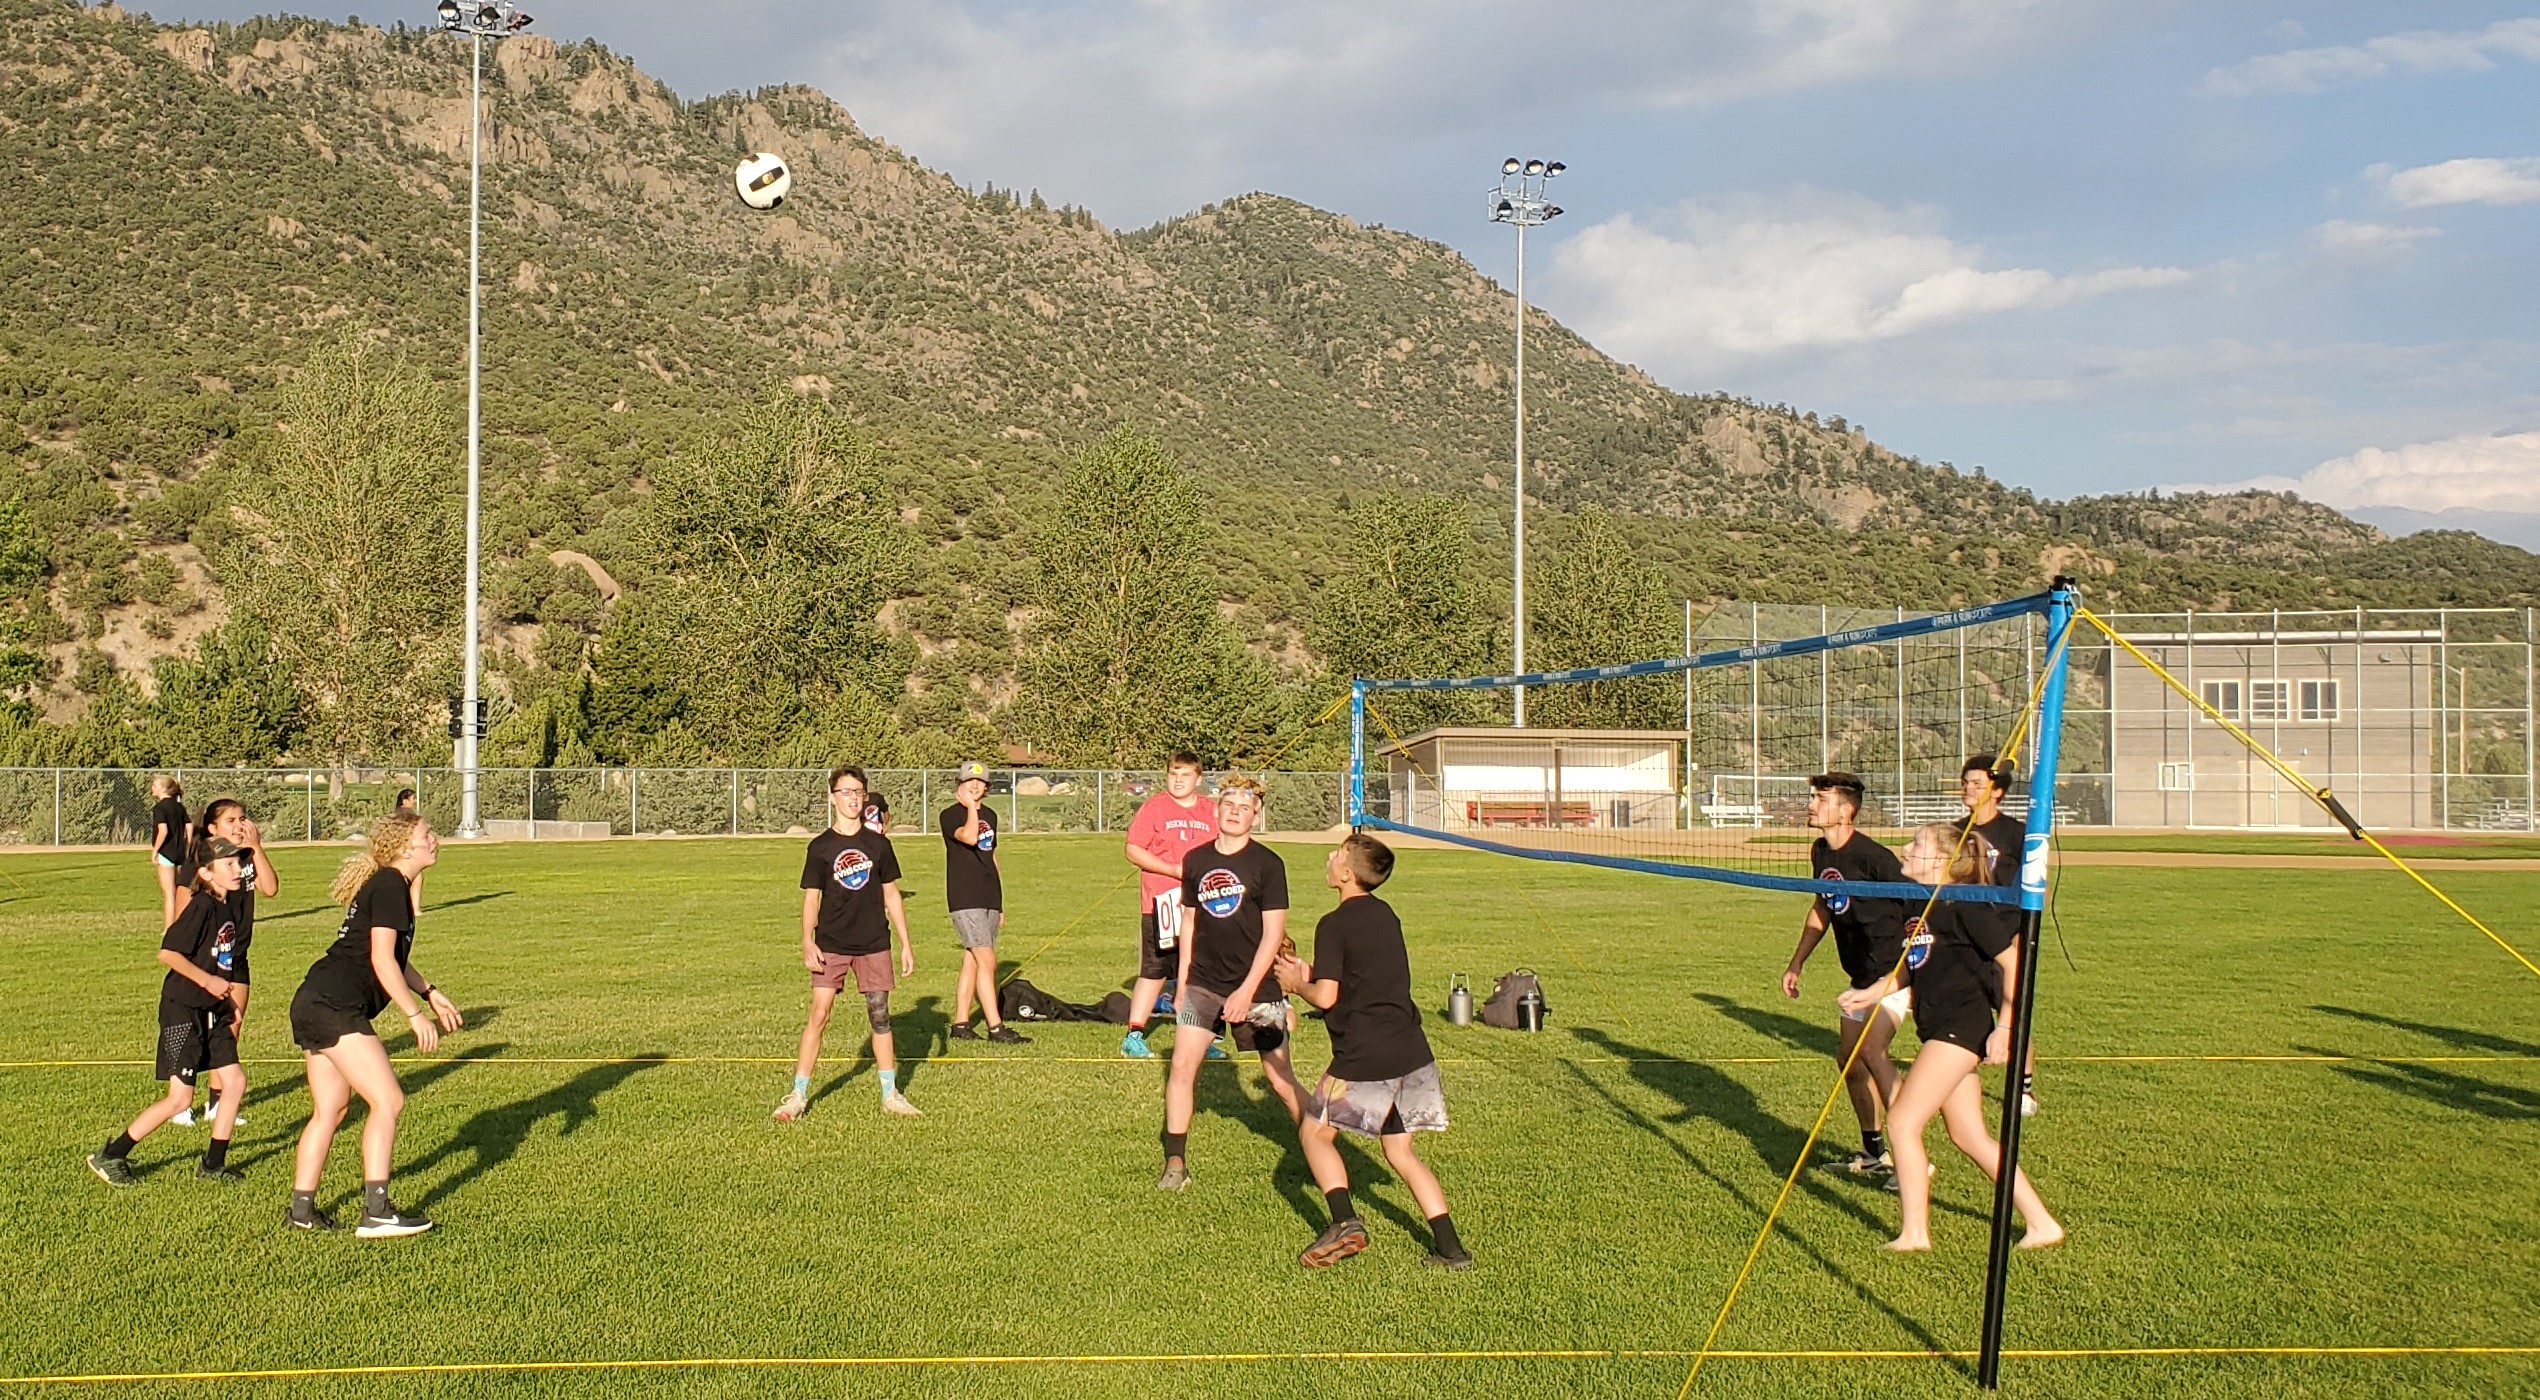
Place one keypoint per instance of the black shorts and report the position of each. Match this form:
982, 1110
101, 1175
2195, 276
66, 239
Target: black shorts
1155, 964
1967, 1033
193, 1041
317, 1022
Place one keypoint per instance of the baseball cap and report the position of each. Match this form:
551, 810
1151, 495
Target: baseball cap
221, 848
973, 769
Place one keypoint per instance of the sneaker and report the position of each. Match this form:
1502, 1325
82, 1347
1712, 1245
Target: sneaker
315, 1219
394, 1224
1339, 1240
114, 1171
1134, 1045
1164, 1003
961, 1032
185, 1117
1458, 1261
898, 1103
1218, 1052
1930, 1170
223, 1173
794, 1106
1863, 1164
1177, 1174
1008, 1035
2028, 1105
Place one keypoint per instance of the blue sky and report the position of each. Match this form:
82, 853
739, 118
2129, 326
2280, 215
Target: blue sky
2090, 245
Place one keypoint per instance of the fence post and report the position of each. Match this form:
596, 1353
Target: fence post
1099, 823
308, 805
634, 801
925, 792
57, 806
736, 801
1013, 800
533, 804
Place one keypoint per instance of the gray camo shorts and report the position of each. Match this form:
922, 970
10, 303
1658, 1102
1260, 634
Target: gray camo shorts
1415, 1103
977, 928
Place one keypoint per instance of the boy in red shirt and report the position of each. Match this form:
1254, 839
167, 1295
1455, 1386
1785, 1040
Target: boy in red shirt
1167, 827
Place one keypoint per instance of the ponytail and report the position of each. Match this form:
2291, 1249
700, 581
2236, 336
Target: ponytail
389, 838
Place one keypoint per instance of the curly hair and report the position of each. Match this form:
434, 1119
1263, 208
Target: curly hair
389, 838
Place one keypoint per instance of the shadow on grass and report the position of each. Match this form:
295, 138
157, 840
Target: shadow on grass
1789, 1030
2466, 1093
463, 901
494, 1136
912, 1031
1228, 1096
2454, 1036
1775, 1143
278, 1135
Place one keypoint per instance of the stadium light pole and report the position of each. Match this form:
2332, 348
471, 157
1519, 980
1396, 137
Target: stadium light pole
1518, 200
478, 20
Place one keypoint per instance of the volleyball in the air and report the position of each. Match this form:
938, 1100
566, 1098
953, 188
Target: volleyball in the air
762, 180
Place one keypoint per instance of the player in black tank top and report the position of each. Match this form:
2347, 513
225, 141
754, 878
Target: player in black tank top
1947, 955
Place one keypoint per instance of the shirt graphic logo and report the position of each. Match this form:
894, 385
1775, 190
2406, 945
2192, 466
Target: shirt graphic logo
987, 838
852, 869
1220, 893
1917, 942
224, 948
1835, 903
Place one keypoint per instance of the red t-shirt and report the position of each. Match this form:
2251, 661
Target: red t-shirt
1166, 828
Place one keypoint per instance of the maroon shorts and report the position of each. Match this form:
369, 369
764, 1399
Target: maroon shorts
871, 971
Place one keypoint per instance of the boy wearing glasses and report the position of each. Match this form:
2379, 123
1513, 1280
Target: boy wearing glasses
851, 908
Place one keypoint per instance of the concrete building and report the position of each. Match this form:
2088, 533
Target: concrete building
1477, 779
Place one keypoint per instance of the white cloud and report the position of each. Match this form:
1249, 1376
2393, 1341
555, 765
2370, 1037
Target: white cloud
2302, 71
2370, 242
2486, 473
1147, 107
2470, 180
1702, 286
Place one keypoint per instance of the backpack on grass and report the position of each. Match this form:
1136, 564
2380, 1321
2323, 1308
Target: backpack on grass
1500, 1009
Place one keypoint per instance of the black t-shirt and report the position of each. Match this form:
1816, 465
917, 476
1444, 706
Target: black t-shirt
1949, 963
343, 974
242, 906
206, 935
970, 872
170, 813
1226, 895
1375, 1025
850, 871
1868, 933
2006, 834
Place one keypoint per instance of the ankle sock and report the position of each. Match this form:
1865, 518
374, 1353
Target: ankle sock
120, 1147
375, 1198
1338, 1199
1175, 1145
2028, 1083
1873, 1144
1138, 1029
802, 1085
304, 1203
890, 1081
1442, 1238
216, 1154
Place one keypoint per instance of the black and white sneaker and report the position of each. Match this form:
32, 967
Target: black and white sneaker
1008, 1035
395, 1224
310, 1219
114, 1171
961, 1032
223, 1174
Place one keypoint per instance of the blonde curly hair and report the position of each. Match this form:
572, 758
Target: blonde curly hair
389, 838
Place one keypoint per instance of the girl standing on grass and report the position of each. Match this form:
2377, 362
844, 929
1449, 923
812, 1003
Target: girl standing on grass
365, 971
198, 1018
171, 836
1964, 969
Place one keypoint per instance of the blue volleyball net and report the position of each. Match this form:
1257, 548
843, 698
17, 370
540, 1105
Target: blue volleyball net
1697, 765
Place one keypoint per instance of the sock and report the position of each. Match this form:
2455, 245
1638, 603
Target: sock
1138, 1028
890, 1081
802, 1085
1175, 1145
120, 1147
304, 1203
2028, 1083
375, 1198
1442, 1238
1338, 1199
1873, 1143
216, 1154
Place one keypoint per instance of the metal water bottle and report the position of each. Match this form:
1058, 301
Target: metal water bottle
1459, 1002
1530, 1011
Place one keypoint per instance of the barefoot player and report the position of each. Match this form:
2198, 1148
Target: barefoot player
851, 908
1964, 972
1383, 1081
1165, 829
1869, 935
1235, 891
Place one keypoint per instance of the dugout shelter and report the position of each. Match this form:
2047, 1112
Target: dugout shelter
1496, 778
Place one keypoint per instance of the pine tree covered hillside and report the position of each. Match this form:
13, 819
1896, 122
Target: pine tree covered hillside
195, 220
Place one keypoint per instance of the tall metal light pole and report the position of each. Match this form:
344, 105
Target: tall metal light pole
479, 20
1519, 200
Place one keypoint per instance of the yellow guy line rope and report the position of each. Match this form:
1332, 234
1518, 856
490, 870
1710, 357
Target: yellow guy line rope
814, 1363
1071, 927
1966, 833
2321, 795
1518, 885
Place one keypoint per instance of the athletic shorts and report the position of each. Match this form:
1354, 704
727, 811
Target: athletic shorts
977, 928
871, 971
163, 860
1967, 1033
1155, 964
1265, 1030
1895, 1004
316, 1024
192, 1041
1415, 1103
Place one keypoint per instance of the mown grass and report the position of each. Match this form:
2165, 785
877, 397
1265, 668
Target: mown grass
597, 1148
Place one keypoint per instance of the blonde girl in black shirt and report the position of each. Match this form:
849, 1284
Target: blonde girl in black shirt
1964, 969
171, 836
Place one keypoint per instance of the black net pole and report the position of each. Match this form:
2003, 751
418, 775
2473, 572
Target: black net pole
1997, 1268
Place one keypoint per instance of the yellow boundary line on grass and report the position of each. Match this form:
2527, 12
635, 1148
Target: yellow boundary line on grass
1444, 1060
774, 1363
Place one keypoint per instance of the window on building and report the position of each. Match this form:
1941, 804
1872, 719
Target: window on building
2319, 700
2270, 700
2224, 697
2178, 777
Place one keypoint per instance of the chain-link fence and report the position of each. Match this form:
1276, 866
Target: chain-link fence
111, 806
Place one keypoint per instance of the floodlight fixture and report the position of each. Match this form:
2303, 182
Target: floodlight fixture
1554, 168
1518, 202
1552, 211
1534, 167
449, 12
1506, 167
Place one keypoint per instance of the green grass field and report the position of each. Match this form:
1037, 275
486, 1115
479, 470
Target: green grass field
597, 1149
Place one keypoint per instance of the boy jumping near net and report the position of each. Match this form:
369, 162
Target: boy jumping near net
851, 907
1166, 828
1983, 781
1869, 936
1383, 1080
